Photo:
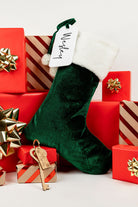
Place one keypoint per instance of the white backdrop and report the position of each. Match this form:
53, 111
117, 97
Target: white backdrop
116, 20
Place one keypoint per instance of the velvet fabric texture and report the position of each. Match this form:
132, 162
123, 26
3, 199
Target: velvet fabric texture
60, 122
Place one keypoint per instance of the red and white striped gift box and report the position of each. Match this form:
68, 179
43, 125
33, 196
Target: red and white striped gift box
38, 77
128, 123
2, 176
31, 173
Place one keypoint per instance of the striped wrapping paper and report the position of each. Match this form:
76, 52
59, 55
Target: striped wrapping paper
38, 77
2, 176
31, 173
128, 123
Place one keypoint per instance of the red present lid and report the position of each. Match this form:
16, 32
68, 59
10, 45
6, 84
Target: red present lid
24, 154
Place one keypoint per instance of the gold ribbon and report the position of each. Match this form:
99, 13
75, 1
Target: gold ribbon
133, 167
114, 85
10, 130
7, 61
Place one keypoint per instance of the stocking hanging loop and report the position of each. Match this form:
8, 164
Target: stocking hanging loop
34, 143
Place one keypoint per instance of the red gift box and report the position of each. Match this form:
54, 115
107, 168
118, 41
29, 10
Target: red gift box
15, 80
122, 154
123, 93
28, 103
128, 123
25, 102
9, 163
38, 77
103, 121
25, 157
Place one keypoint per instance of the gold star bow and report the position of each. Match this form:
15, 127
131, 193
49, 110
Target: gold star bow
133, 167
10, 130
114, 85
7, 61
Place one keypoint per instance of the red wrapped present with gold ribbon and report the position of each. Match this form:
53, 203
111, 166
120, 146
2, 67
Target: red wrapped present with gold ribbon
12, 60
128, 123
125, 163
31, 173
25, 157
38, 77
25, 104
116, 86
2, 176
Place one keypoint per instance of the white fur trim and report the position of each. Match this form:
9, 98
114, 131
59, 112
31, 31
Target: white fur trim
94, 54
45, 59
53, 71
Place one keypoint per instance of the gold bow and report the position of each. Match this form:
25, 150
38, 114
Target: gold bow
114, 85
10, 130
7, 61
133, 167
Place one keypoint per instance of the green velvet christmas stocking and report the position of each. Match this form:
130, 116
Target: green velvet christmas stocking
60, 122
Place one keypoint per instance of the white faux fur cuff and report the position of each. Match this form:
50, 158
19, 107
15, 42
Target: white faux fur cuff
94, 54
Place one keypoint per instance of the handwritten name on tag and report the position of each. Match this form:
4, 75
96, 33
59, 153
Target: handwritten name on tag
63, 47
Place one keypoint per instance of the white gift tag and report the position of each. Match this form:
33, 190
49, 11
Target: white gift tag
63, 47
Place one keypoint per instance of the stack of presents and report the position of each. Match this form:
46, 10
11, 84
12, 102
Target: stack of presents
24, 84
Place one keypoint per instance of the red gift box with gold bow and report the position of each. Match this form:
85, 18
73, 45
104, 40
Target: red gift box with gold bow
27, 108
125, 163
28, 170
12, 60
116, 86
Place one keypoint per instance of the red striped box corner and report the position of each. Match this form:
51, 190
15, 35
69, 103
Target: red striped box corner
128, 123
38, 77
31, 173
